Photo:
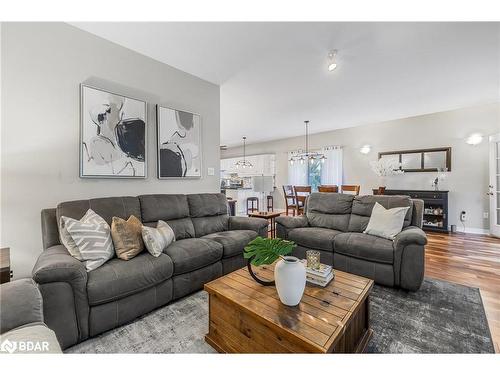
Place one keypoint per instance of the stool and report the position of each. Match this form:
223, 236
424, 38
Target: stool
251, 207
270, 203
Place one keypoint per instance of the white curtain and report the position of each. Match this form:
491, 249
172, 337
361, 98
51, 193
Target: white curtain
297, 173
331, 171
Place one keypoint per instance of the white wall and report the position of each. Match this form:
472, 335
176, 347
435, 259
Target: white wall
467, 182
42, 66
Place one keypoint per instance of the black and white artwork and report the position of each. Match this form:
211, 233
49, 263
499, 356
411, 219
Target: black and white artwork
112, 135
179, 143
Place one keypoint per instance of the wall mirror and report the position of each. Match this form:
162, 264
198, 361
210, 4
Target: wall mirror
422, 160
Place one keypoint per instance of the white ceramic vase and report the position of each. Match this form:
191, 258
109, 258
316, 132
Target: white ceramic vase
290, 279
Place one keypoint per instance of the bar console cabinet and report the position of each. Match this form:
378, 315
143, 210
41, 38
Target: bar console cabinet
435, 207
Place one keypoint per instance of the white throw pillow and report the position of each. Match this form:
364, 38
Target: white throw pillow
386, 223
157, 239
66, 239
92, 239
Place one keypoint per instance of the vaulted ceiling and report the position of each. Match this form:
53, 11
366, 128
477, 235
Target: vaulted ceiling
274, 75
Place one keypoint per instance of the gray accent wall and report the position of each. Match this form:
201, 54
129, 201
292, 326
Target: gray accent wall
42, 66
467, 182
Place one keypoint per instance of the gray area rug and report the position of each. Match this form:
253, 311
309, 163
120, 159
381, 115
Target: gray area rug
440, 318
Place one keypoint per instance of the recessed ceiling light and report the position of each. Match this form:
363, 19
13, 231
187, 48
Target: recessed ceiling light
474, 139
333, 61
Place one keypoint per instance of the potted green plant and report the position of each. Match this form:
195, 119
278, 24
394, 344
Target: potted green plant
289, 272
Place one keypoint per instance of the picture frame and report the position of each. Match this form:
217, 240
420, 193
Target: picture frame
421, 160
113, 134
179, 143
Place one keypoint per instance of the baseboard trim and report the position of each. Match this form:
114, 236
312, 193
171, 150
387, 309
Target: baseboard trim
473, 230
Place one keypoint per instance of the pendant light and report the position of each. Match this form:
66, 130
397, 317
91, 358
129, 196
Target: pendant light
243, 163
305, 156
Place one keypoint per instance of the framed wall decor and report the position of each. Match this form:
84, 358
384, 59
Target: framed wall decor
179, 143
113, 135
421, 160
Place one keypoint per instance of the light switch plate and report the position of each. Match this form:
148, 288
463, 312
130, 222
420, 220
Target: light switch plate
211, 171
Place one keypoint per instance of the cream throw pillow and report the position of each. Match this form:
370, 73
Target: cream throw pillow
157, 239
386, 223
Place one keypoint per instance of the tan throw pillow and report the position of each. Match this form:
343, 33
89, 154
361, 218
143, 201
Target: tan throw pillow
127, 237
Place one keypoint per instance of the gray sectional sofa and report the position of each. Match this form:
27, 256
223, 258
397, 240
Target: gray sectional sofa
209, 243
334, 224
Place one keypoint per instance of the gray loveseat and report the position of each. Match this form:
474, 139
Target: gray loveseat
21, 320
334, 224
209, 243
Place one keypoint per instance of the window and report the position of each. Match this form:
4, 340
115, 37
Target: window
314, 174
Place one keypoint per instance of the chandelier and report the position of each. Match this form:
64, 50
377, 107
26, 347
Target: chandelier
244, 163
301, 156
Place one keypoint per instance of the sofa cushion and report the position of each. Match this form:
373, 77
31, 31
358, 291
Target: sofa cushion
193, 253
208, 204
364, 246
233, 242
104, 207
362, 207
164, 207
119, 278
171, 208
329, 210
208, 213
314, 238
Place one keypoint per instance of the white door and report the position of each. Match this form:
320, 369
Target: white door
494, 188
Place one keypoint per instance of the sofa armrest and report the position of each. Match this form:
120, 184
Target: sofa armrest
409, 258
284, 224
20, 304
56, 264
62, 281
410, 236
250, 223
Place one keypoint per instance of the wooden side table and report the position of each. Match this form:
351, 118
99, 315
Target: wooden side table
5, 272
270, 216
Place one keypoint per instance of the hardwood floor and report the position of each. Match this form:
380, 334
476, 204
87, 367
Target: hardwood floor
472, 260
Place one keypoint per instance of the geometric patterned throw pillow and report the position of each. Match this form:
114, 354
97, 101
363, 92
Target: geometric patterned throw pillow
93, 240
89, 217
157, 239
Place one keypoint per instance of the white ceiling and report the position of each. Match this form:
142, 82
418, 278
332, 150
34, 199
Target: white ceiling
274, 75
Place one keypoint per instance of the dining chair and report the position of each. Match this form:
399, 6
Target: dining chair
301, 194
350, 189
289, 199
379, 191
328, 188
252, 204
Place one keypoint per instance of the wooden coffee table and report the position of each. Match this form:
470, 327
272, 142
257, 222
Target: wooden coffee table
246, 317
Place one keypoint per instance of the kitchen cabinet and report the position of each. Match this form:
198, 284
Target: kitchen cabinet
264, 164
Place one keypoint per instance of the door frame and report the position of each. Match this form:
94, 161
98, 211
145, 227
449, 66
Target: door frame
494, 190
